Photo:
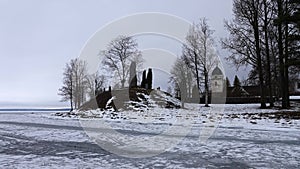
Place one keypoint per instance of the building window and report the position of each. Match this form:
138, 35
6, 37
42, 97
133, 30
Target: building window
298, 85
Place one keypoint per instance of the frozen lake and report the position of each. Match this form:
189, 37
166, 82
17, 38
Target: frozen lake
40, 140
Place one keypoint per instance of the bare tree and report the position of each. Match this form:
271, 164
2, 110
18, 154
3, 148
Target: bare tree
74, 83
119, 55
66, 91
281, 54
199, 54
267, 15
79, 78
95, 83
244, 41
181, 76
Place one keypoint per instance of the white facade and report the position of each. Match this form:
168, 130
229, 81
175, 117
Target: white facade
217, 84
217, 81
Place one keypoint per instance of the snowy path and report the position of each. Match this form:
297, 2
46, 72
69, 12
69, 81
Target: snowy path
36, 141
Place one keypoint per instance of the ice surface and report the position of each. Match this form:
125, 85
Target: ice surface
42, 140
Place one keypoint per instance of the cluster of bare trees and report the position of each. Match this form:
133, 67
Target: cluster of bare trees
198, 58
183, 79
265, 35
78, 86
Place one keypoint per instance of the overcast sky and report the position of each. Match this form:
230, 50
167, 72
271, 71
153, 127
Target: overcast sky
38, 37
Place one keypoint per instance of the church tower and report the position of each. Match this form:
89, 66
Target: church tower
217, 81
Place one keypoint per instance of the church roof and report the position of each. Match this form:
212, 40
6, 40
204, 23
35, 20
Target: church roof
217, 71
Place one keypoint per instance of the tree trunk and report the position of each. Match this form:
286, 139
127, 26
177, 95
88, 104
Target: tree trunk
197, 74
123, 73
259, 60
286, 58
206, 88
71, 94
268, 55
275, 86
123, 83
182, 93
281, 57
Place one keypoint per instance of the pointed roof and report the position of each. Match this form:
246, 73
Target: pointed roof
217, 71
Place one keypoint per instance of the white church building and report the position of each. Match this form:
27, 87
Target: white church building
217, 81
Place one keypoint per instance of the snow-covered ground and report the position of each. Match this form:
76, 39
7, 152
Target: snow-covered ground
242, 139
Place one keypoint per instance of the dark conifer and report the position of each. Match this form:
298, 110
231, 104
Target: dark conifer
149, 79
132, 75
236, 83
143, 83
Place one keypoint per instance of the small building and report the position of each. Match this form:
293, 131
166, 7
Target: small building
217, 80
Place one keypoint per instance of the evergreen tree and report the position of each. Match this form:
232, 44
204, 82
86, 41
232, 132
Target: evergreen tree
228, 82
236, 83
132, 75
143, 83
149, 79
238, 89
